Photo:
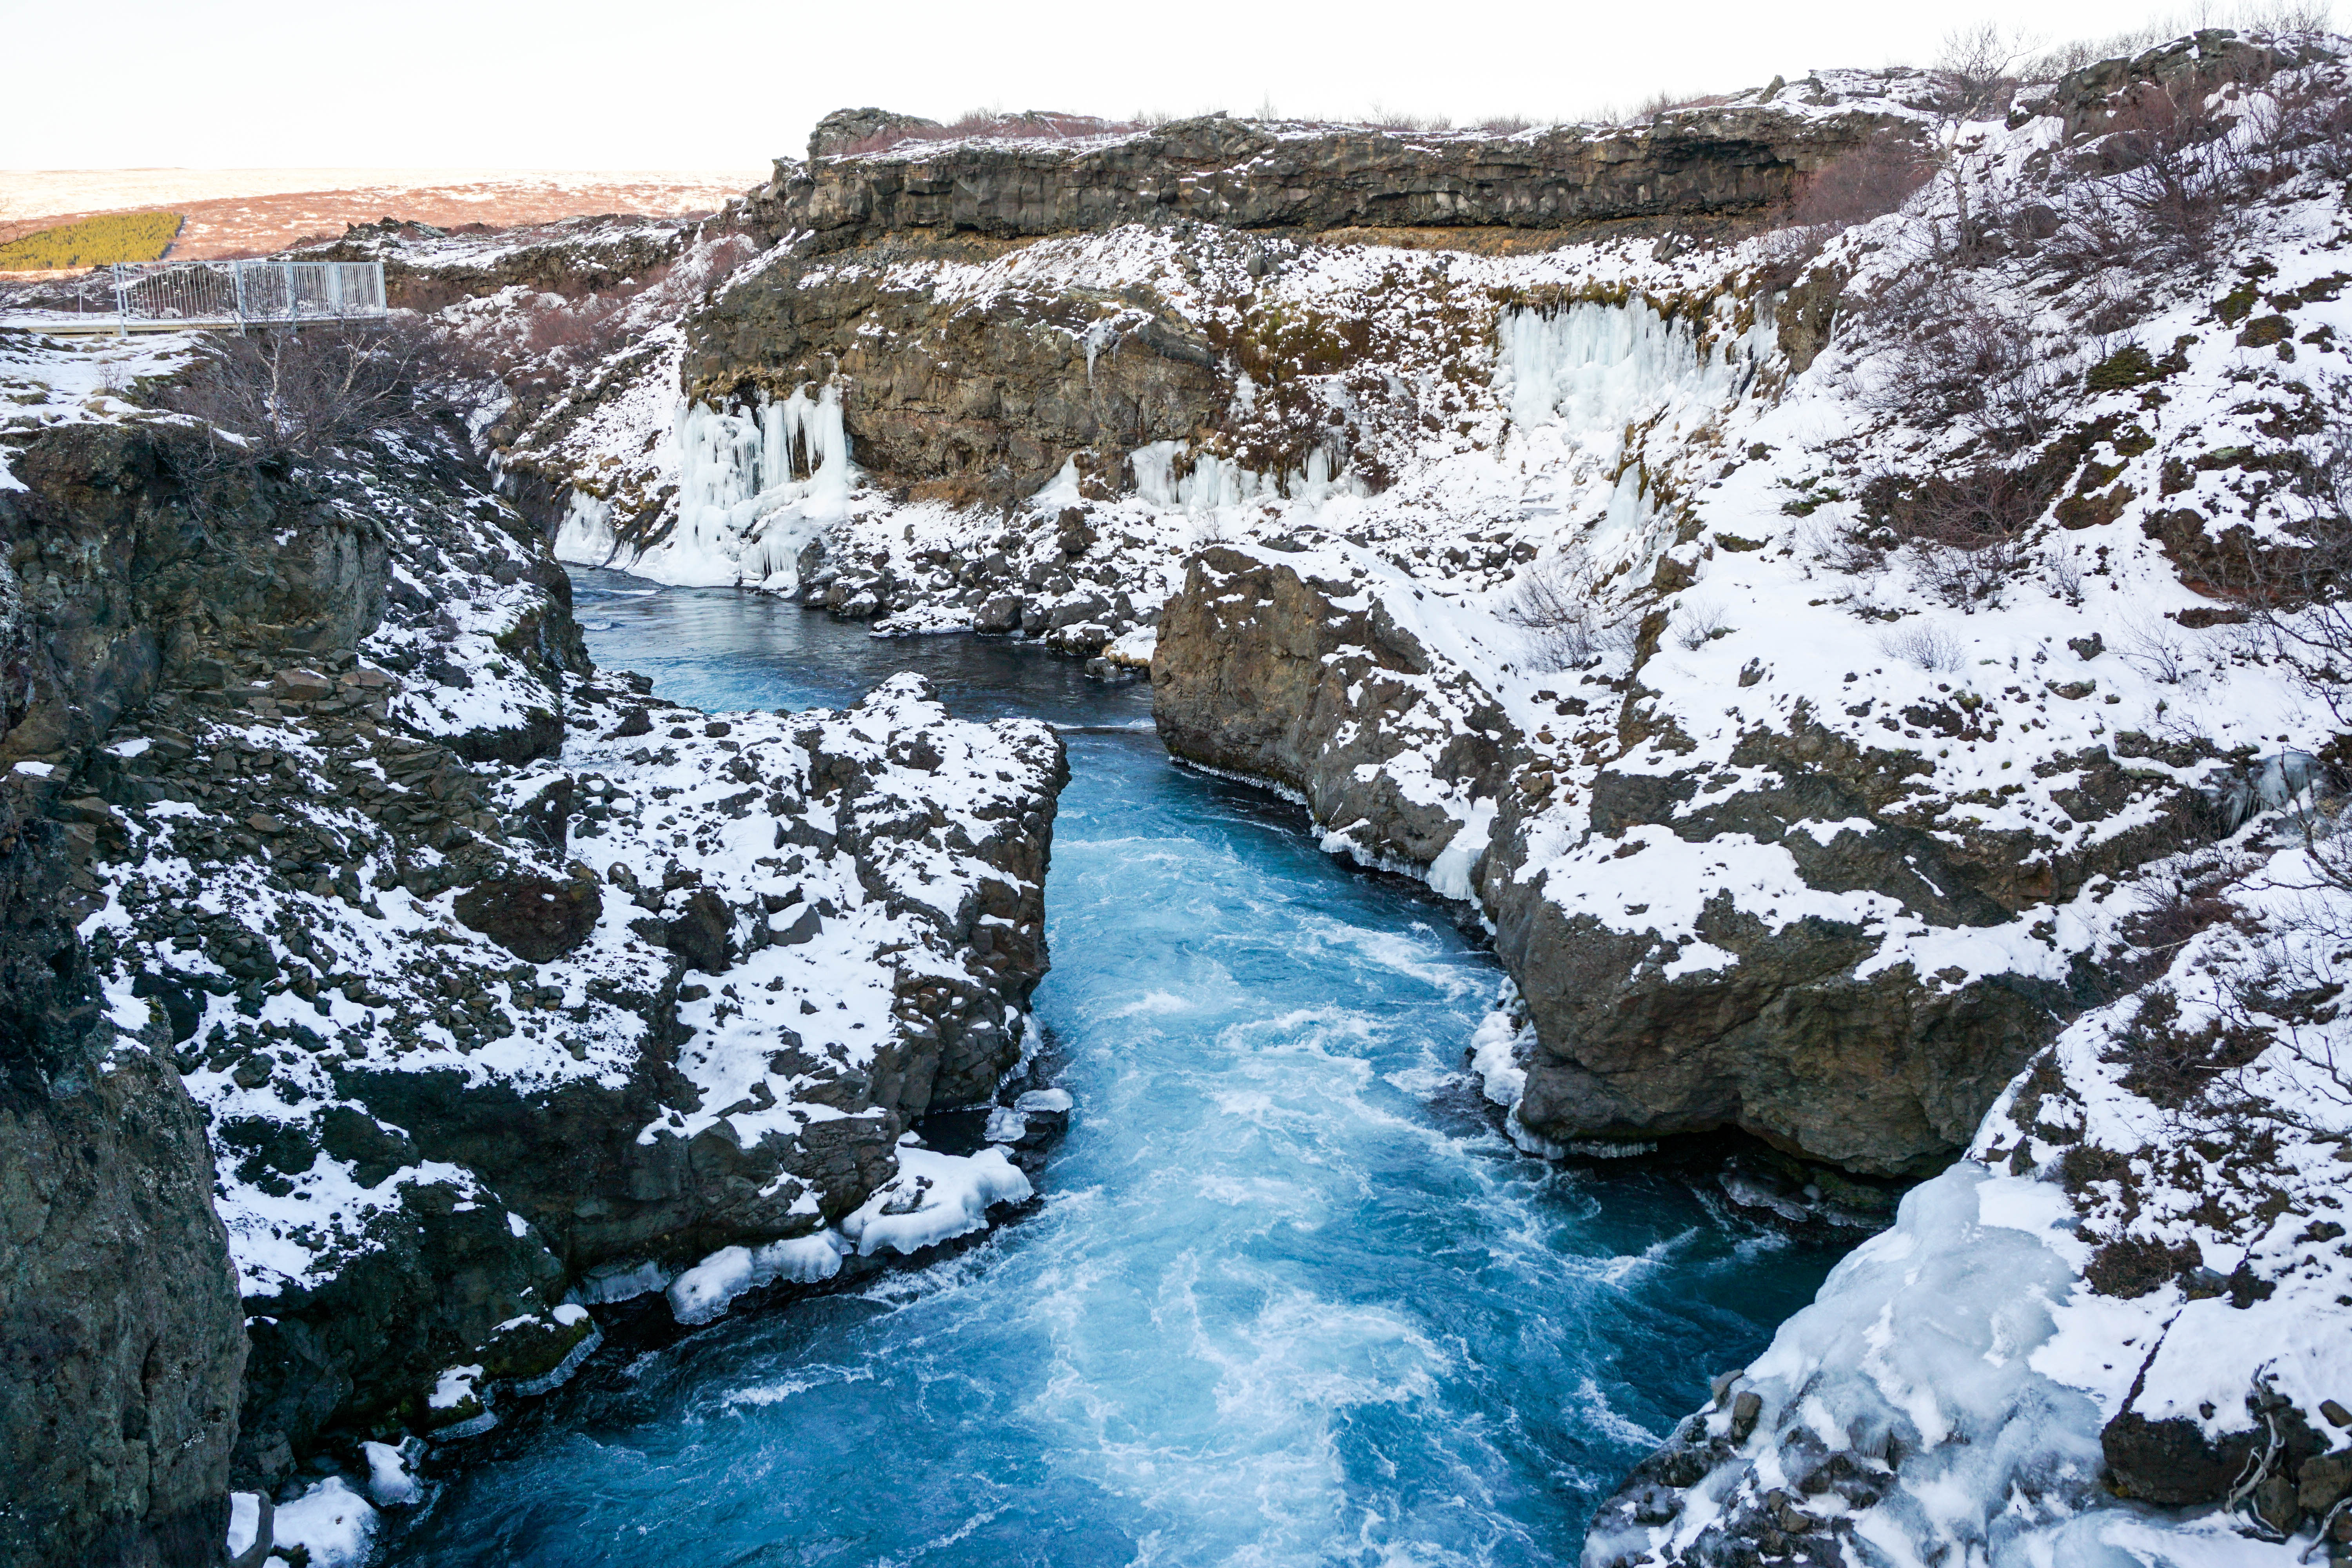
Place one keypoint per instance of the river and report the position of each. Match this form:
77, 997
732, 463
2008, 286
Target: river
1290, 1296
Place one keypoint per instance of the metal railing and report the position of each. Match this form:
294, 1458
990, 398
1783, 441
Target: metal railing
154, 294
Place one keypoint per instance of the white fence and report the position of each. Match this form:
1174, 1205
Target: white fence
246, 293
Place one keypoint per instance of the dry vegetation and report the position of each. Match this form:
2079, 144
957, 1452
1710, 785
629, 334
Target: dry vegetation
92, 242
268, 398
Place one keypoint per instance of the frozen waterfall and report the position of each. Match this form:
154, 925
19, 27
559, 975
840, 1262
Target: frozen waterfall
755, 487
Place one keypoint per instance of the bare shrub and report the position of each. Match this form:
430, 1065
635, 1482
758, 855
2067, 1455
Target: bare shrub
1926, 645
2173, 1066
1554, 600
2064, 574
2301, 120
1874, 179
2255, 17
278, 394
1385, 119
1660, 103
1699, 624
1505, 124
1977, 71
1965, 529
2156, 650
593, 325
2298, 590
1944, 349
2176, 905
2172, 163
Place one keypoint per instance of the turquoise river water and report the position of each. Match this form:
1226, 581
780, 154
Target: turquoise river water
1291, 1297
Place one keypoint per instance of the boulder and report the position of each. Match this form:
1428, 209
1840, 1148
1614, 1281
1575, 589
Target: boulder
537, 919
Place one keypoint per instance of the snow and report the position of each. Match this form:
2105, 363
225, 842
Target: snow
936, 1197
390, 1485
1920, 1345
706, 1290
456, 1387
244, 1521
333, 1523
933, 1197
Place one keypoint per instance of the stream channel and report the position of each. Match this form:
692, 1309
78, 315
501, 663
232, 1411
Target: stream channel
1290, 1296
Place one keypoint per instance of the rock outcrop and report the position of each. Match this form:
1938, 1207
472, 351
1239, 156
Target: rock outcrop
495, 980
964, 400
1689, 165
121, 1342
1277, 671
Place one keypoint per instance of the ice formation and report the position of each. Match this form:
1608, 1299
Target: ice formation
755, 487
706, 1290
933, 1198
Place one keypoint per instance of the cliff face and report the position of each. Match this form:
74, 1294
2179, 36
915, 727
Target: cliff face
1691, 165
978, 398
121, 1342
1273, 670
489, 978
981, 395
1416, 745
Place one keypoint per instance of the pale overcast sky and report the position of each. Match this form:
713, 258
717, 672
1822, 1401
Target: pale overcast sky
728, 84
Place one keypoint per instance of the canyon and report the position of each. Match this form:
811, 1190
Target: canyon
1862, 668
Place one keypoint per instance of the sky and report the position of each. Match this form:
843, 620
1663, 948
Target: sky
726, 84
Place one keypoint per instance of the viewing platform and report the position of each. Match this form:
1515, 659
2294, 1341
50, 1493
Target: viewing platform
181, 296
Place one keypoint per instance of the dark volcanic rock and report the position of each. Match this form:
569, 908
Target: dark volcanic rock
981, 400
121, 1339
534, 918
1257, 671
699, 932
2171, 1462
128, 575
1737, 158
845, 128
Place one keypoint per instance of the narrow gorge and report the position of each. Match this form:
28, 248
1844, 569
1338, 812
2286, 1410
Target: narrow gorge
1241, 840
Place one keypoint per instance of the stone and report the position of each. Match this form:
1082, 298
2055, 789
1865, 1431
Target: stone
845, 128
2171, 1462
698, 934
118, 1407
535, 917
1252, 673
2325, 1481
2275, 1500
1214, 169
998, 615
1747, 1405
301, 686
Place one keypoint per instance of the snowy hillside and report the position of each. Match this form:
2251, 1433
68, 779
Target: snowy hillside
1878, 675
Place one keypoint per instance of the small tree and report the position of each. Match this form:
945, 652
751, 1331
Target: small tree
279, 394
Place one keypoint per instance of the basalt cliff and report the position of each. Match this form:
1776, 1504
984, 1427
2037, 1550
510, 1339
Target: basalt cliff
389, 992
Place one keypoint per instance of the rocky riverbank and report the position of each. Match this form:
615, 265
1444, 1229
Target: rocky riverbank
499, 984
1843, 664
